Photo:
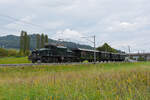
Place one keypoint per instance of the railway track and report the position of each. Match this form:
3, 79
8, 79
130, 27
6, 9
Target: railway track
53, 64
39, 64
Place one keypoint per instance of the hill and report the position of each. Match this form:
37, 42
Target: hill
12, 41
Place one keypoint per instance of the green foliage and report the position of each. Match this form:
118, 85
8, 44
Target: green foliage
38, 41
42, 40
46, 38
3, 52
24, 43
141, 59
12, 53
9, 53
85, 61
107, 48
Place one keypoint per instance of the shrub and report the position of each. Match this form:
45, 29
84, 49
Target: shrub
3, 52
9, 53
85, 61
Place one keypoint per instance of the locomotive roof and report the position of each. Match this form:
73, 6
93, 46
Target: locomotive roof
82, 49
61, 47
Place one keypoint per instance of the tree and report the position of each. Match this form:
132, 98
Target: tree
27, 51
107, 48
24, 43
21, 42
46, 38
42, 40
38, 41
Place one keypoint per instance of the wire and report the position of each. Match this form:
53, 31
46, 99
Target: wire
28, 23
15, 19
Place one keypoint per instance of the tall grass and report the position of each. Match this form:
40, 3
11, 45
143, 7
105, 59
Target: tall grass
113, 81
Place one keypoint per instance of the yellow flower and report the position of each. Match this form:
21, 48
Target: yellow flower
129, 80
117, 98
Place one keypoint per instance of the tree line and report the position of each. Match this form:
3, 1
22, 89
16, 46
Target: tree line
41, 40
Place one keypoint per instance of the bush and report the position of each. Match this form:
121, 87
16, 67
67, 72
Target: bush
3, 52
8, 53
12, 53
85, 61
141, 59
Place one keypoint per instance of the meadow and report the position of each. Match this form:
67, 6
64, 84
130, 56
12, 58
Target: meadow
14, 60
109, 81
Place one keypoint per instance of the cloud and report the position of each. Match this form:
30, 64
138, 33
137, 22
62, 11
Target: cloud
123, 26
68, 34
118, 23
24, 23
8, 1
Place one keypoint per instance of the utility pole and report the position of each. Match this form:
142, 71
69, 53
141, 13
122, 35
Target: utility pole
129, 51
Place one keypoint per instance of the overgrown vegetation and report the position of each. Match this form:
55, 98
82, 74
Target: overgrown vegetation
111, 81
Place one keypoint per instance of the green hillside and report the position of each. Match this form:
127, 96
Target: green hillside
12, 41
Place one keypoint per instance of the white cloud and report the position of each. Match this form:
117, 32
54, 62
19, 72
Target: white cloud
114, 22
68, 34
8, 1
123, 26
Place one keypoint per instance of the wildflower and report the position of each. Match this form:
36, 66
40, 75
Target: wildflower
117, 97
129, 80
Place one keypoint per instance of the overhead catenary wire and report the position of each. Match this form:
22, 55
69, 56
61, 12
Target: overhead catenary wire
15, 19
25, 22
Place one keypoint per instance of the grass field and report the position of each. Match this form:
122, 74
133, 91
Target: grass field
14, 60
111, 81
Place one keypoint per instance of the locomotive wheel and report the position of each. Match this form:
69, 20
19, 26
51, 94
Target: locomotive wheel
39, 61
33, 61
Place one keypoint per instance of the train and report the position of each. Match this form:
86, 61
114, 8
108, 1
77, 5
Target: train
60, 54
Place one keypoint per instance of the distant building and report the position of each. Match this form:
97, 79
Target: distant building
140, 56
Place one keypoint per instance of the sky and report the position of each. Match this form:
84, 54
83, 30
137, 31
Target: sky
120, 23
